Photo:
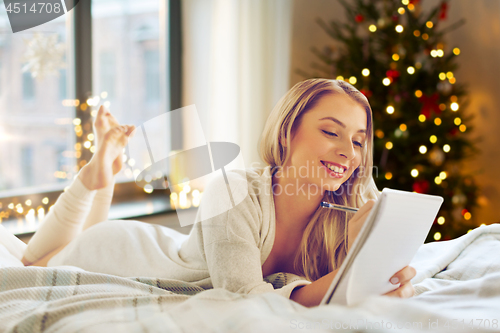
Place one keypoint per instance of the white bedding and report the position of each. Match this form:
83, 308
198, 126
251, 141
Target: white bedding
458, 285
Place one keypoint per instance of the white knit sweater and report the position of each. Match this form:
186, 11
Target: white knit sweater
226, 251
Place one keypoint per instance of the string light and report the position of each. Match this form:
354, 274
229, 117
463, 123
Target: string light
340, 78
148, 188
457, 121
388, 175
429, 24
45, 200
440, 220
401, 10
414, 173
405, 2
379, 134
433, 53
443, 175
418, 93
372, 28
353, 80
425, 36
422, 149
77, 121
421, 118
416, 33
437, 236
386, 81
438, 180
402, 127
442, 76
411, 7
28, 202
90, 137
411, 70
442, 106
399, 28
104, 94
446, 148
454, 106
365, 72
467, 216
452, 80
433, 139
449, 75
437, 121
390, 109
440, 53
395, 57
462, 128
456, 51
388, 145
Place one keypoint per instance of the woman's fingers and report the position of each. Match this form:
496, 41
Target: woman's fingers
406, 290
404, 275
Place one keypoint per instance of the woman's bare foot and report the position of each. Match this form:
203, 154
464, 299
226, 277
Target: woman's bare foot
99, 172
104, 121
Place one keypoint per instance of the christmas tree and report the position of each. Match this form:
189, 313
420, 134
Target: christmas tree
396, 55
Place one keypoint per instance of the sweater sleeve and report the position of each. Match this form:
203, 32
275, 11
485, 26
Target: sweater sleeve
231, 245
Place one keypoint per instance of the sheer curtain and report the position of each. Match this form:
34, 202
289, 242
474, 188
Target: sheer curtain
236, 64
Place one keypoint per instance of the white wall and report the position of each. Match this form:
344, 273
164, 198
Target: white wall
479, 41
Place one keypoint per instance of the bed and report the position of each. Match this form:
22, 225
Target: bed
457, 289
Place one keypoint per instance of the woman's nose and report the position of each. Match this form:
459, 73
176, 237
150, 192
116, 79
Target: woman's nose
346, 150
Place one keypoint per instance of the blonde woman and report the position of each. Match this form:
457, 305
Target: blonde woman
318, 146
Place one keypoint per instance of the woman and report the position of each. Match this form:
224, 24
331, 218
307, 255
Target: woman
318, 145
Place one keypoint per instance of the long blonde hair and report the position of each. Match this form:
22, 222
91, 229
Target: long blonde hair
324, 243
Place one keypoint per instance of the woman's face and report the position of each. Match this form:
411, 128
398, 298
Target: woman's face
327, 146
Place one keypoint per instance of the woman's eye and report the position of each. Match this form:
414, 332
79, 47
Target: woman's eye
330, 133
358, 144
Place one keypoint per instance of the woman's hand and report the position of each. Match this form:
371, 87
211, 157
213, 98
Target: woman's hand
403, 277
357, 221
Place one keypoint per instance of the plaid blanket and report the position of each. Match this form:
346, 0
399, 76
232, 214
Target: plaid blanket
458, 289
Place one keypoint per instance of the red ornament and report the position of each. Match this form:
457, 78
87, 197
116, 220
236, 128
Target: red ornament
366, 92
430, 103
414, 2
443, 12
393, 74
421, 186
395, 18
359, 18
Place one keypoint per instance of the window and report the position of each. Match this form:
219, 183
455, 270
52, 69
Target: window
109, 54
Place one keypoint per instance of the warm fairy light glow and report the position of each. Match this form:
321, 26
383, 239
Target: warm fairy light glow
87, 144
90, 137
28, 202
386, 81
411, 7
395, 57
418, 93
467, 216
437, 236
433, 53
422, 149
421, 118
186, 188
442, 76
456, 51
402, 127
399, 28
379, 134
148, 188
340, 78
449, 75
440, 220
196, 198
92, 149
19, 209
443, 175
429, 24
411, 70
438, 180
452, 80
457, 121
77, 121
442, 106
148, 178
104, 94
433, 139
414, 173
454, 106
388, 175
372, 28
462, 128
365, 72
425, 36
45, 200
446, 148
416, 33
388, 145
390, 109
440, 53
437, 121
41, 213
405, 2
401, 10
353, 80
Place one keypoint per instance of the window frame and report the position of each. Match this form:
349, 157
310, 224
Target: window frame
158, 202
